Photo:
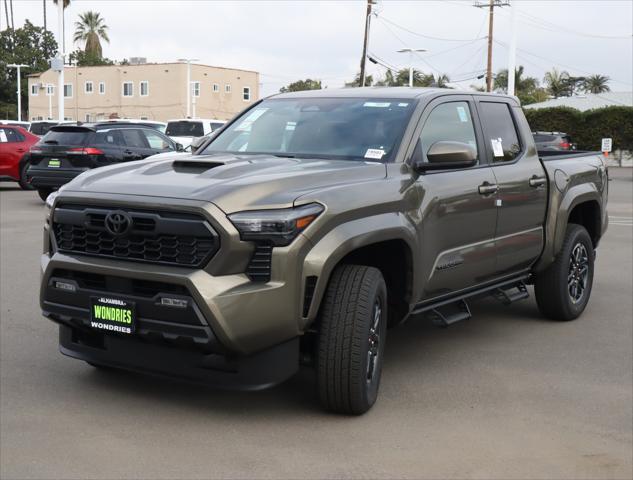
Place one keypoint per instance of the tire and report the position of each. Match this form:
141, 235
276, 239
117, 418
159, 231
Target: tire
563, 290
24, 185
351, 342
44, 193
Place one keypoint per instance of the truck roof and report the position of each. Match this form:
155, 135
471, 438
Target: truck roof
383, 92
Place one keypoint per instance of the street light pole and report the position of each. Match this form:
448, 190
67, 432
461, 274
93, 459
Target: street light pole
411, 51
188, 60
18, 66
60, 42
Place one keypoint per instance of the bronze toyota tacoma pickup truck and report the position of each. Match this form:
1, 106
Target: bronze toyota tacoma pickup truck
310, 223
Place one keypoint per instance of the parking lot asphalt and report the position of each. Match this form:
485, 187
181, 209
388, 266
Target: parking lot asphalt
506, 394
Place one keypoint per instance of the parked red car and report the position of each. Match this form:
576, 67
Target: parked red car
15, 143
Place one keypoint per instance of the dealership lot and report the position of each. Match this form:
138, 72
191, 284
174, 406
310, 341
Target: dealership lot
504, 395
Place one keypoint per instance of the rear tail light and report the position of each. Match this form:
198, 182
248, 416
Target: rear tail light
565, 145
85, 151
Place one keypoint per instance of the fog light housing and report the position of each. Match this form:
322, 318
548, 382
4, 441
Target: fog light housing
68, 287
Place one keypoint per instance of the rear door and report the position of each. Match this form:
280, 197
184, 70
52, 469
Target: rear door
110, 142
12, 148
158, 143
521, 182
135, 145
458, 206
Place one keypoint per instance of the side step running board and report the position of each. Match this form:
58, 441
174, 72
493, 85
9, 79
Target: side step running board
511, 294
448, 314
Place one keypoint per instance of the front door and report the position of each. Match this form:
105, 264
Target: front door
521, 180
458, 206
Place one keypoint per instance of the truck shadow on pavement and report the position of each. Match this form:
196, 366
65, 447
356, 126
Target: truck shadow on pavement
412, 348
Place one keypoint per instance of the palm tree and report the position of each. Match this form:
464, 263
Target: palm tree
557, 83
442, 81
90, 29
522, 85
596, 84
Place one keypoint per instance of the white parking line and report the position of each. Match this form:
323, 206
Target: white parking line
620, 221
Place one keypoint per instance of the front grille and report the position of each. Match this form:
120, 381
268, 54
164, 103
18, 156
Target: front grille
157, 237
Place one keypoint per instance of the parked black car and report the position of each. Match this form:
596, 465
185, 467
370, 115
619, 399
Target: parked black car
41, 128
552, 141
69, 150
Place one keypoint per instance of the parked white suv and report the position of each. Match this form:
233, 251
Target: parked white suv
184, 130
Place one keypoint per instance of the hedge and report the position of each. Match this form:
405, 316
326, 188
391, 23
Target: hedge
586, 128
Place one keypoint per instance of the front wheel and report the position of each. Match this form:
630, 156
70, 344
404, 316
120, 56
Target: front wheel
562, 291
44, 193
353, 327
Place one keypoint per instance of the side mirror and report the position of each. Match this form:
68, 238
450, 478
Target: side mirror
196, 143
444, 155
179, 147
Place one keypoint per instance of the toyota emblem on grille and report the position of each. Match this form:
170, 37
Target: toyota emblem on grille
118, 223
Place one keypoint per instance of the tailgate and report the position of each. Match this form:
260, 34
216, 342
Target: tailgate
63, 147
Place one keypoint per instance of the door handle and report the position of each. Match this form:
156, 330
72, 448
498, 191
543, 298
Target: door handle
537, 181
488, 188
20, 150
132, 155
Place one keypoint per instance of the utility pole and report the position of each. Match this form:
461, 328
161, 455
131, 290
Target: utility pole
60, 78
18, 66
365, 42
512, 54
188, 60
491, 4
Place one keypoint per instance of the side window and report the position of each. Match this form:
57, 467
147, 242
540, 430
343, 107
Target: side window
155, 141
8, 135
499, 131
450, 121
133, 138
108, 138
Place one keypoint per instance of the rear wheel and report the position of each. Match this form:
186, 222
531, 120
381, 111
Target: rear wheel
562, 291
44, 193
24, 185
353, 327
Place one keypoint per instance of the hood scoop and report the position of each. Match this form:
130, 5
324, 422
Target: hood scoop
194, 166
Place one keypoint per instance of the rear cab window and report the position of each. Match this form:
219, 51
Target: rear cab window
184, 128
500, 132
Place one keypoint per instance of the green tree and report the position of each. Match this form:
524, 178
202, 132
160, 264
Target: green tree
88, 59
596, 84
442, 81
28, 45
91, 29
525, 88
369, 80
300, 85
557, 83
401, 79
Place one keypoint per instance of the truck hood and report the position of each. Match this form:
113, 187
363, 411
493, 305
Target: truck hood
232, 182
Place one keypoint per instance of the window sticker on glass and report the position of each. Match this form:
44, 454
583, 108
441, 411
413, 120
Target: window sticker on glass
376, 153
246, 123
291, 126
461, 111
403, 104
3, 137
377, 104
497, 146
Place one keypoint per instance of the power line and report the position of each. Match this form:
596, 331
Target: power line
423, 35
491, 5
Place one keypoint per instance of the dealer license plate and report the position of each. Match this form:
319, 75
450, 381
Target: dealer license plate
112, 315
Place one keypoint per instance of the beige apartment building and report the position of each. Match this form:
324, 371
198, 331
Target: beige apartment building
152, 91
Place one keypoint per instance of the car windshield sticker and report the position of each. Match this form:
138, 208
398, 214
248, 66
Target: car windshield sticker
3, 137
376, 153
403, 104
247, 122
291, 126
377, 104
497, 146
461, 111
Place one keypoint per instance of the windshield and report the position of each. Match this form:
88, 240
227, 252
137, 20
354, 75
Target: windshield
337, 128
184, 128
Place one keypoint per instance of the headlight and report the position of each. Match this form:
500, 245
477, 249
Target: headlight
51, 199
280, 227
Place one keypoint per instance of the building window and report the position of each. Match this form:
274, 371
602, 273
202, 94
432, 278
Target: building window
216, 88
128, 89
144, 118
195, 87
35, 90
68, 119
144, 87
101, 88
87, 117
50, 90
246, 94
68, 90
88, 87
227, 88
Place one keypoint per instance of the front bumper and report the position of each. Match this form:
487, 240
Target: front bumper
262, 370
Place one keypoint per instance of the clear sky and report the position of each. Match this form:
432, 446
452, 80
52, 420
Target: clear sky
286, 41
